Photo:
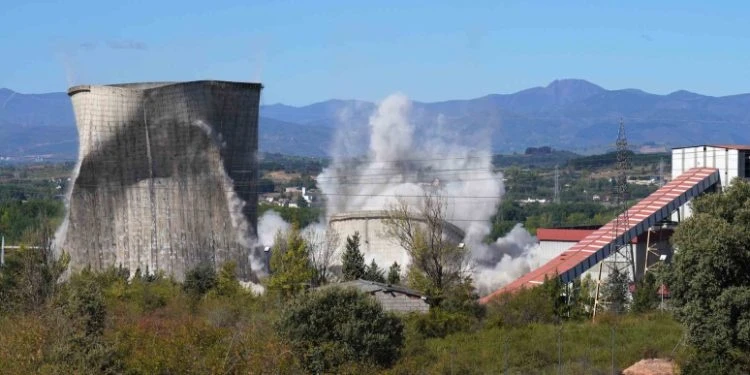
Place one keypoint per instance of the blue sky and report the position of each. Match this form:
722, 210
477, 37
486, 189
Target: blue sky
308, 51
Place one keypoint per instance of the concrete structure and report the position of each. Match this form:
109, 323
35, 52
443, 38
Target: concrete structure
650, 212
732, 161
166, 176
392, 297
374, 242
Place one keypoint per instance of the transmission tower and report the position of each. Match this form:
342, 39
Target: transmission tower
622, 259
557, 185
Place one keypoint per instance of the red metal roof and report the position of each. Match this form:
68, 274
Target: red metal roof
733, 147
597, 245
564, 235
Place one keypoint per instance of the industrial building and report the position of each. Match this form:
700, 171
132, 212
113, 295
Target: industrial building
375, 243
648, 248
166, 176
732, 161
570, 253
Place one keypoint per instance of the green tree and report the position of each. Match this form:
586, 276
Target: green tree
581, 299
291, 270
301, 202
352, 261
80, 318
374, 273
615, 291
645, 297
29, 278
394, 274
709, 280
439, 266
200, 280
331, 327
226, 283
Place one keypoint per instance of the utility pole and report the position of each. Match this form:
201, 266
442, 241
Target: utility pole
622, 194
622, 222
661, 172
557, 185
2, 250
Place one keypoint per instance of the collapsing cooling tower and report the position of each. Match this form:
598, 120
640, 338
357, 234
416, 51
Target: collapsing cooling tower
166, 178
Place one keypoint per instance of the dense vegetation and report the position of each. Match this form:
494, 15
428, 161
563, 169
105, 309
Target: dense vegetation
710, 281
292, 164
107, 323
110, 323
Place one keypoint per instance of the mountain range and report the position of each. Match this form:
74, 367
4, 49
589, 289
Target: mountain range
570, 114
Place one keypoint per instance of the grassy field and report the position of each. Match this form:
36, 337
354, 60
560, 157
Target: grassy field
579, 347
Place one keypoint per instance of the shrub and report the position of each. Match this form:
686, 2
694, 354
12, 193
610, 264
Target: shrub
226, 283
150, 295
440, 323
329, 328
536, 305
200, 280
78, 321
29, 277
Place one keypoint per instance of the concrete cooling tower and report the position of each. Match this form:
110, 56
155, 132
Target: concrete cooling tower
374, 242
166, 177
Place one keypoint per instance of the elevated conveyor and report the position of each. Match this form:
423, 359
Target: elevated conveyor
601, 243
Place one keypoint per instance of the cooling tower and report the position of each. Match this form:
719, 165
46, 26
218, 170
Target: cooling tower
166, 176
375, 243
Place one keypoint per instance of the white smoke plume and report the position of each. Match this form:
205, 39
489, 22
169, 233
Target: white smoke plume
397, 165
268, 225
512, 256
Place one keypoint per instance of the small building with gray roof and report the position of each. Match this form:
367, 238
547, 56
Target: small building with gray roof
393, 298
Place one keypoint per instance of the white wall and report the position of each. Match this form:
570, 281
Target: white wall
730, 163
374, 243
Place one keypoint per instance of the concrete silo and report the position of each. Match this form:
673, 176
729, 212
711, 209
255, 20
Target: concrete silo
375, 243
166, 176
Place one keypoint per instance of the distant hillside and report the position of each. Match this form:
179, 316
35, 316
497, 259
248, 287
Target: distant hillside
567, 114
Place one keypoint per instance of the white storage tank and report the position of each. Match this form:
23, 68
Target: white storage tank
375, 243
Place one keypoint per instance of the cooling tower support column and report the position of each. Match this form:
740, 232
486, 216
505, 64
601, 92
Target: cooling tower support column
166, 176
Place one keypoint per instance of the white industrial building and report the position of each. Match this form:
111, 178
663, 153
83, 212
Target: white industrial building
732, 161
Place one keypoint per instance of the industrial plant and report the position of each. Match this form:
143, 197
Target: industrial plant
166, 176
639, 235
167, 172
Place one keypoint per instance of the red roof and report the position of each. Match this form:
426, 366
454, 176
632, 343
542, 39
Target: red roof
564, 235
589, 250
733, 147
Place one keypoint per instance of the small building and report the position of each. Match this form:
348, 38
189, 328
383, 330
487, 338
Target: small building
529, 200
293, 190
393, 298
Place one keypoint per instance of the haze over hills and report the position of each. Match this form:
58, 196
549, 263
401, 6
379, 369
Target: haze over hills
567, 114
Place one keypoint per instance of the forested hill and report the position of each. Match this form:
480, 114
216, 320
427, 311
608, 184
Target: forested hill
568, 114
